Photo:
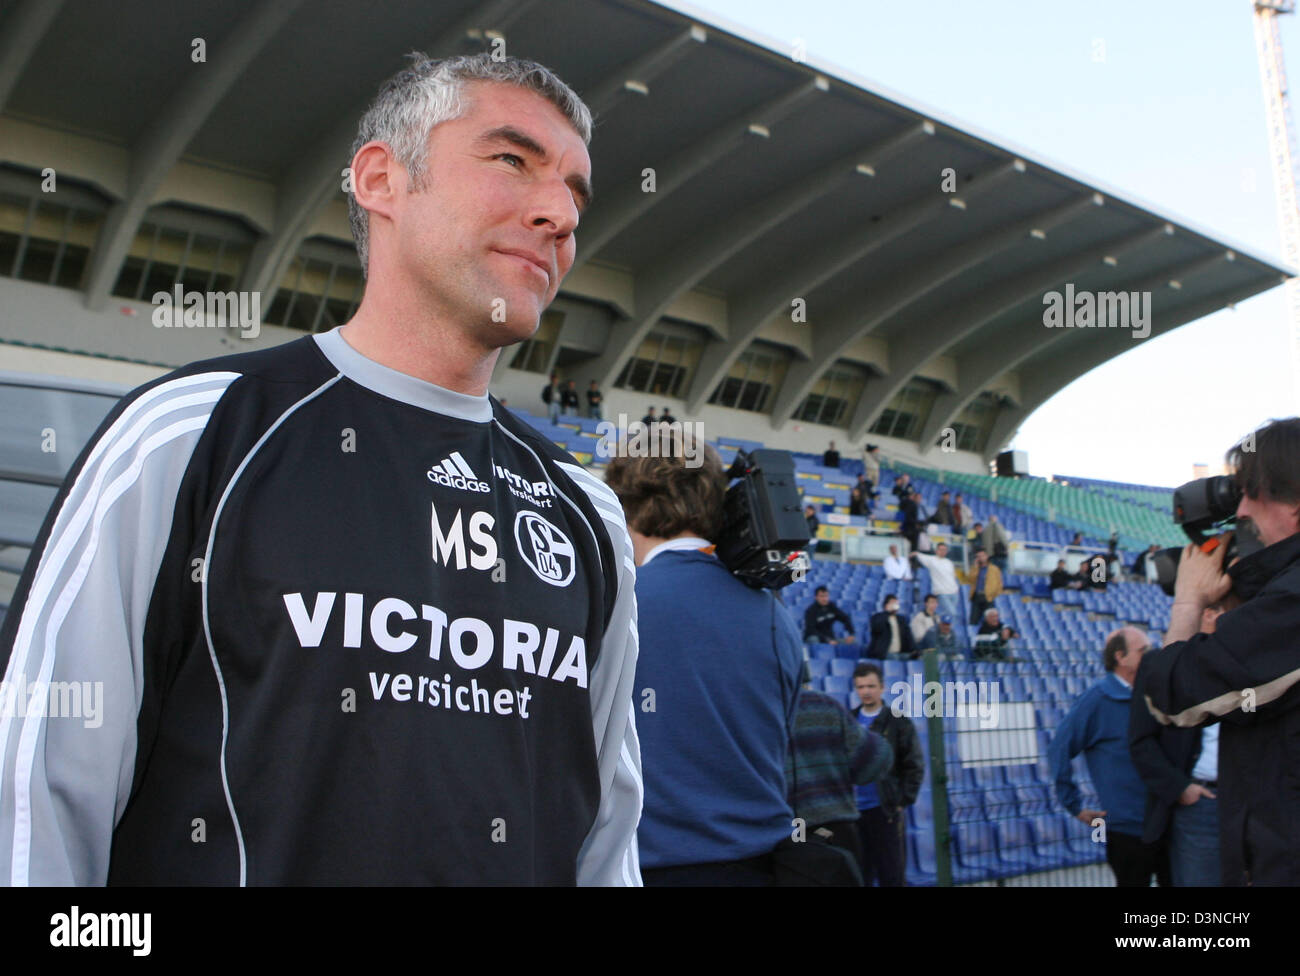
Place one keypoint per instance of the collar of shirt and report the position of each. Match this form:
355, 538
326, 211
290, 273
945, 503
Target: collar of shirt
686, 542
1126, 684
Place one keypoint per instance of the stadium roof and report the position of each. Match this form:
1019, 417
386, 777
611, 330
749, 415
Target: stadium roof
779, 183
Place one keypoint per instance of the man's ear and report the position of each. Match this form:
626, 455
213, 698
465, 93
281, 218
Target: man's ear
377, 178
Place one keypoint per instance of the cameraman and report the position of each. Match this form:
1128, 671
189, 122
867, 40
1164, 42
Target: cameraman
717, 679
1246, 673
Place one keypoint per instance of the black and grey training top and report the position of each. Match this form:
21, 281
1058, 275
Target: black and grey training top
348, 627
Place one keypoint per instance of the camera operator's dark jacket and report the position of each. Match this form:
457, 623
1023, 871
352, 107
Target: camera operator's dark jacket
899, 787
1247, 674
1164, 756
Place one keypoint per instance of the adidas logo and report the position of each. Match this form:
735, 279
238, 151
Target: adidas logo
453, 472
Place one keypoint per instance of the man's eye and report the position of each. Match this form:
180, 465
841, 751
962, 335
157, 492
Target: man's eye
511, 158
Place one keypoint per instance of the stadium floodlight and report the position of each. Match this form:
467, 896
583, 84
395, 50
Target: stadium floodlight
1110, 260
1038, 234
866, 170
761, 131
639, 87
957, 202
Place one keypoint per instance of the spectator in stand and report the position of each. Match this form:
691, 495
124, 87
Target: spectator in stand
667, 417
942, 512
831, 458
990, 642
1143, 561
718, 740
551, 396
1061, 576
570, 400
985, 581
941, 638
1097, 726
814, 523
1082, 580
1180, 768
881, 804
819, 620
897, 567
961, 516
890, 635
831, 752
903, 485
943, 579
594, 399
910, 527
1077, 540
650, 419
926, 619
997, 542
871, 464
858, 504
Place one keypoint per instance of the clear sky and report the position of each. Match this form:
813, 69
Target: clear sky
1160, 101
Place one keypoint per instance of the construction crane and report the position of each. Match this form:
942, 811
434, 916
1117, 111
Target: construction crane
1282, 155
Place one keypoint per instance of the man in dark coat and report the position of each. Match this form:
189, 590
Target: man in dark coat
1179, 768
819, 620
1247, 673
881, 804
1061, 576
889, 629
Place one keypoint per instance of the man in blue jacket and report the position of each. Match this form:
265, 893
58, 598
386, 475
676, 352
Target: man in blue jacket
717, 679
1097, 726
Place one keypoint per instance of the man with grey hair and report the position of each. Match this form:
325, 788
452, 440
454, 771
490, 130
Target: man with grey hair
1097, 726
355, 622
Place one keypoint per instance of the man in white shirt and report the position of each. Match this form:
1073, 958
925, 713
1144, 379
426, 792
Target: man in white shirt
943, 579
925, 619
871, 464
896, 567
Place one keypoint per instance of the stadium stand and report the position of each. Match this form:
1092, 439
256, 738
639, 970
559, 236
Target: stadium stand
1005, 826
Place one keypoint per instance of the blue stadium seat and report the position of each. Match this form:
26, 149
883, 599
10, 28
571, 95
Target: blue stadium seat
834, 684
965, 804
1016, 848
1033, 800
842, 667
922, 863
974, 853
